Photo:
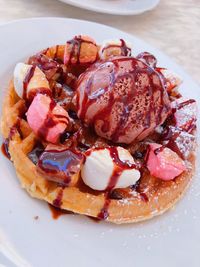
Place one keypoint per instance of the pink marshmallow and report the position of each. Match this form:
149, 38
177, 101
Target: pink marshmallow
47, 119
164, 163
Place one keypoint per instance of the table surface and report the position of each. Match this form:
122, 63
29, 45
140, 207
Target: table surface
173, 26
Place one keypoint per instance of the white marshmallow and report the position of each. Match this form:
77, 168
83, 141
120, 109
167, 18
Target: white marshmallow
99, 166
20, 73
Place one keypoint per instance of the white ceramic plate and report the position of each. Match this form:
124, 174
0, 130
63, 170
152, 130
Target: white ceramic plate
116, 7
172, 239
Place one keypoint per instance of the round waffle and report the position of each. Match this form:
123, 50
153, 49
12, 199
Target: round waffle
129, 205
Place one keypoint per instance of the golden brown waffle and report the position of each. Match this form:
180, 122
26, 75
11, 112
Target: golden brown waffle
161, 195
131, 207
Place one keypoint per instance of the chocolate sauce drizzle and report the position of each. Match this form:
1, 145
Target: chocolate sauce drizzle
119, 167
75, 49
148, 58
58, 200
27, 79
190, 125
51, 121
4, 148
125, 50
13, 130
57, 212
185, 103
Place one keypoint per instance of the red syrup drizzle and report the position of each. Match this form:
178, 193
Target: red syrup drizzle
191, 124
4, 148
103, 114
142, 195
56, 52
49, 66
94, 219
76, 48
5, 145
57, 212
51, 121
125, 50
159, 149
185, 103
27, 79
148, 58
58, 200
119, 167
28, 96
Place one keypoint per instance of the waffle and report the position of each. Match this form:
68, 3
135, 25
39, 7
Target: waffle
126, 206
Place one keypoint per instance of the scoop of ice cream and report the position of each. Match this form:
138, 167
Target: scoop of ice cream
123, 99
47, 119
109, 168
30, 80
164, 163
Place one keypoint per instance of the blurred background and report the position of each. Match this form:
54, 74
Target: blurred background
173, 26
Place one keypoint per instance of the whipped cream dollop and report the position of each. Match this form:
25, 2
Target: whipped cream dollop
28, 80
109, 168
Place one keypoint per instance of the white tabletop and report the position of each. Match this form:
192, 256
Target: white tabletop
173, 26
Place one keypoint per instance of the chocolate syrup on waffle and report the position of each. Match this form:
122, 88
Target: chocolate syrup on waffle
148, 58
119, 167
56, 52
13, 130
4, 148
125, 50
58, 200
138, 189
57, 212
186, 103
75, 50
190, 124
27, 79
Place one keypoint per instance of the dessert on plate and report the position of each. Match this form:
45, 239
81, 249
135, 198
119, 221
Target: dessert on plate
93, 129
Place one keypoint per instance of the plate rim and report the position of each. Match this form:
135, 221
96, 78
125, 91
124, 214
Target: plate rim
99, 24
107, 11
